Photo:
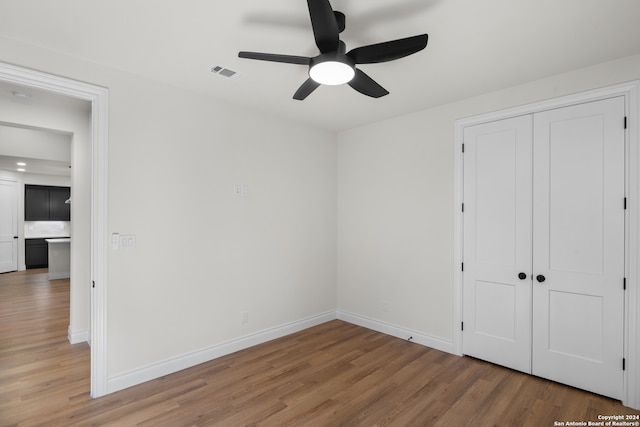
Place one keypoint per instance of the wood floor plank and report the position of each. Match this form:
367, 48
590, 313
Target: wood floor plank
330, 375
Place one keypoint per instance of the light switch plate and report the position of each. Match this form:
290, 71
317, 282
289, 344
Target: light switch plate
128, 242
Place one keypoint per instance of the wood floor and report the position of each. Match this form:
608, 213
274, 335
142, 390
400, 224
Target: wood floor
331, 375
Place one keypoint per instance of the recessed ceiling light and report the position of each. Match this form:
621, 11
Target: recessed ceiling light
21, 170
22, 95
21, 164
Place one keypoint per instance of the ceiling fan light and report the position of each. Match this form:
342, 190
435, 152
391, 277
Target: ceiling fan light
332, 73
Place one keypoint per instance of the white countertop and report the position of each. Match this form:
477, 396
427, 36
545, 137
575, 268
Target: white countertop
66, 240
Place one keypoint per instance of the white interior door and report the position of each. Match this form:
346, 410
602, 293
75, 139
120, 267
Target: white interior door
497, 242
578, 245
8, 226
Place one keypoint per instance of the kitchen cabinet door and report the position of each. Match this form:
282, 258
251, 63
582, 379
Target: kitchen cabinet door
58, 209
36, 253
36, 203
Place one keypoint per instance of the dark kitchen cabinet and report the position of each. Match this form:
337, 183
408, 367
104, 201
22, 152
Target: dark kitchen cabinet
58, 209
46, 203
36, 203
36, 253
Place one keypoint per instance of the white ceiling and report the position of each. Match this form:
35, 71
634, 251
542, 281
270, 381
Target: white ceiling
475, 46
35, 166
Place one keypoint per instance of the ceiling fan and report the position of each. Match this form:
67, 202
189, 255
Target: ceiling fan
334, 65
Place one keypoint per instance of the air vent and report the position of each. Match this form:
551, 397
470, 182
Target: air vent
226, 73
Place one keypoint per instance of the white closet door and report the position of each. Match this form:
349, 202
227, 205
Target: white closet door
578, 246
497, 242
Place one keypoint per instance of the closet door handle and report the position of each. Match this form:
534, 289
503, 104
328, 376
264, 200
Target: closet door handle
522, 276
540, 278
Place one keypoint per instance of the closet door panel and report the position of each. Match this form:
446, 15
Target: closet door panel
497, 242
578, 245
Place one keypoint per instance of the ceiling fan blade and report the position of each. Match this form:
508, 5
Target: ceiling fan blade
367, 86
324, 24
388, 51
288, 59
305, 90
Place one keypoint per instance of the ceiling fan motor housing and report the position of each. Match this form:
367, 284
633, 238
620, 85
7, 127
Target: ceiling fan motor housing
340, 20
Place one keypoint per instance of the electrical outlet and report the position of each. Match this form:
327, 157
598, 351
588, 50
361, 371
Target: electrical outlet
244, 317
385, 305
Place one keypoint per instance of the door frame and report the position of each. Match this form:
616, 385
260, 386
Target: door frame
631, 93
99, 98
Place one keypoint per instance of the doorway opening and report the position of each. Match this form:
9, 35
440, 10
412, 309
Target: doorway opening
98, 97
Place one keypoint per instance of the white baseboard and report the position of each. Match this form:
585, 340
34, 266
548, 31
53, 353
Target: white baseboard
398, 331
78, 336
175, 364
56, 276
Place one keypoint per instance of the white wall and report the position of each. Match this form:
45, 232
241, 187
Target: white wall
204, 255
395, 204
33, 143
394, 220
